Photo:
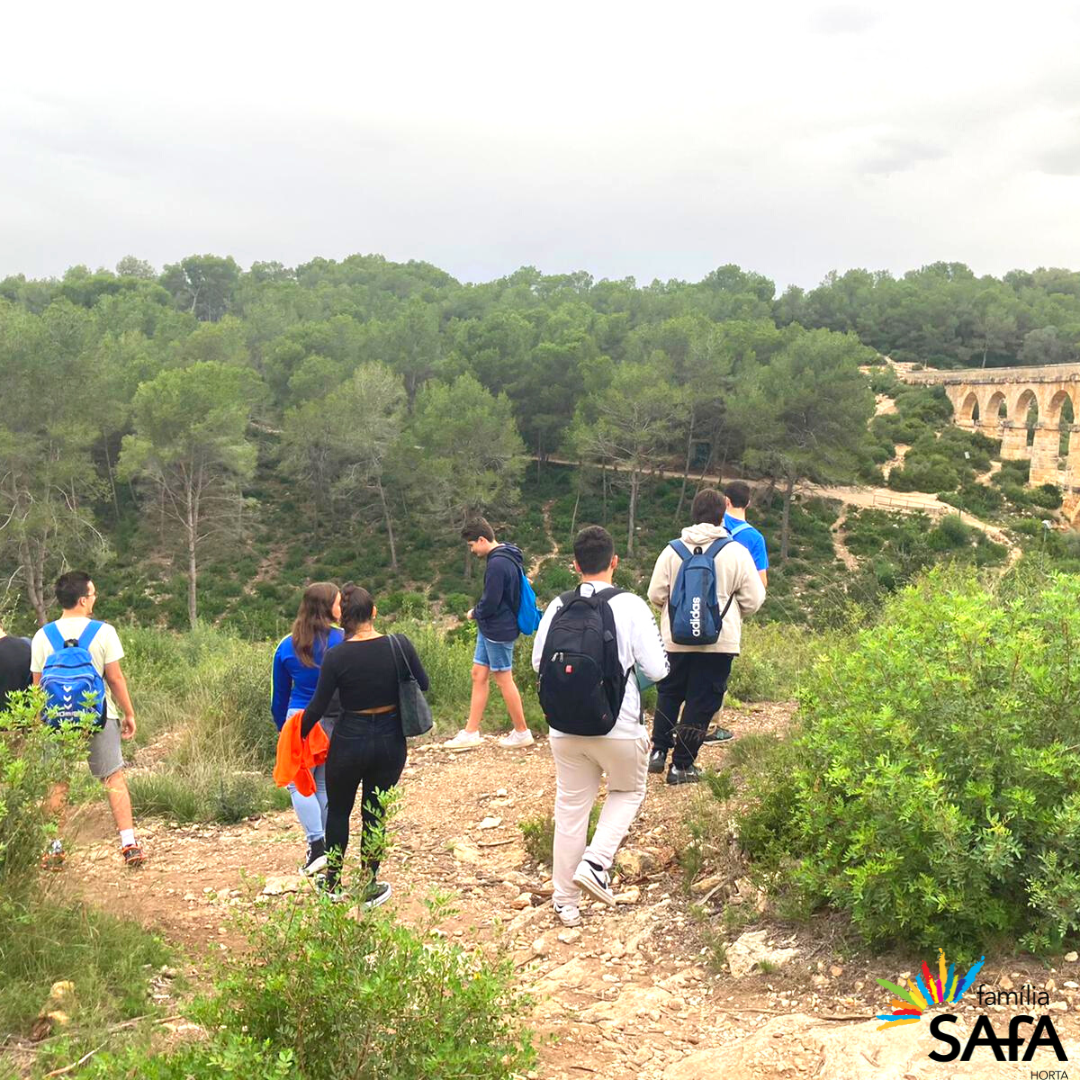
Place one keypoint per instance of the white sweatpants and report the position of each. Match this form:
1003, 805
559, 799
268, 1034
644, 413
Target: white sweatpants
580, 761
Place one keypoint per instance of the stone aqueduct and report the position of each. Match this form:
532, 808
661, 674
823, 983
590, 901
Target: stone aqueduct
997, 401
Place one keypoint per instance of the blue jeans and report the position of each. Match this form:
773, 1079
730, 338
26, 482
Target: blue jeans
311, 809
496, 655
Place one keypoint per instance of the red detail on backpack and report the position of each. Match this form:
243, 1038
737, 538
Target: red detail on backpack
569, 669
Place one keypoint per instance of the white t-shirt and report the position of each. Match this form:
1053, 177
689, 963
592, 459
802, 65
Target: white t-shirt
639, 646
104, 649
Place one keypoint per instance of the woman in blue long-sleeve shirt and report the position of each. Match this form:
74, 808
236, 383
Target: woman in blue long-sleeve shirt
295, 676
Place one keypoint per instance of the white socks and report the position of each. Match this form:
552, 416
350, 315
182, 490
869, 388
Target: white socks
127, 837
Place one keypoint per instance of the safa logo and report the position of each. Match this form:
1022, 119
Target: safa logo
947, 988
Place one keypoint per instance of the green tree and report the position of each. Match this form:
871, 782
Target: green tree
190, 446
467, 456
628, 425
805, 413
202, 285
342, 446
129, 266
48, 484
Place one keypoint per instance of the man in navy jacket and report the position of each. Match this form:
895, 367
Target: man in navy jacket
496, 631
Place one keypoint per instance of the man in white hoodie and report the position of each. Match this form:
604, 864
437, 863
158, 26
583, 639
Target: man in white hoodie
699, 673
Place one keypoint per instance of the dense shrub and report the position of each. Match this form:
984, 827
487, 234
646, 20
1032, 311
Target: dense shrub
322, 993
43, 936
931, 787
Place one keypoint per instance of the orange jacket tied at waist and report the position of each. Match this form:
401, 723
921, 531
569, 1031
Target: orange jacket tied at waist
296, 756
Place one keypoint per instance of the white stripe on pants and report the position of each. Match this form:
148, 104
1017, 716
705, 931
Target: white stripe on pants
580, 761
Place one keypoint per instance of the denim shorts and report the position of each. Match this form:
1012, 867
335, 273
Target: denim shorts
497, 655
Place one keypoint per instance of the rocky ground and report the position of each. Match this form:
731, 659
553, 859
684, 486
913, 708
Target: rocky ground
637, 991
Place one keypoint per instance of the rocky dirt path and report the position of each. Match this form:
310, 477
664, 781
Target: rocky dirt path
630, 995
538, 561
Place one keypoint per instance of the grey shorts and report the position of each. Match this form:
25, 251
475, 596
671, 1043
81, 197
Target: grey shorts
105, 756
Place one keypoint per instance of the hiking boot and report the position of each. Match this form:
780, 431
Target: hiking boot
133, 856
690, 775
594, 880
53, 859
569, 914
464, 740
378, 892
316, 858
517, 738
719, 734
657, 761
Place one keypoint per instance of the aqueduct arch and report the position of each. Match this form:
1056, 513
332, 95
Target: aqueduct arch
996, 402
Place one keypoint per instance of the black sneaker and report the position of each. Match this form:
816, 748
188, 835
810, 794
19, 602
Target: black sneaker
316, 858
657, 761
719, 734
378, 892
690, 775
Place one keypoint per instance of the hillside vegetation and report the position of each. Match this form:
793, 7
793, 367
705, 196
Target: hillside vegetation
250, 430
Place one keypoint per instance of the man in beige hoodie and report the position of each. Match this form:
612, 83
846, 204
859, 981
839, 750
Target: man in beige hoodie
699, 673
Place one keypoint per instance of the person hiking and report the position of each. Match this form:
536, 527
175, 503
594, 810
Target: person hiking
496, 617
699, 672
77, 630
14, 666
294, 678
367, 749
593, 706
738, 499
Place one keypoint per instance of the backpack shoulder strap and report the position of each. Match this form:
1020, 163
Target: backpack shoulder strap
88, 635
717, 546
680, 549
398, 650
52, 632
739, 528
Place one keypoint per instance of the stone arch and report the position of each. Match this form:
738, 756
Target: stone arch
1025, 413
1057, 406
969, 408
1061, 415
997, 408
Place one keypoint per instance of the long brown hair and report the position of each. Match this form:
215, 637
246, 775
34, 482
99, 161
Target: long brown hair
314, 620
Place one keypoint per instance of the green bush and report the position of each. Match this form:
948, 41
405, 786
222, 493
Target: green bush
538, 834
44, 938
930, 789
323, 993
206, 793
773, 661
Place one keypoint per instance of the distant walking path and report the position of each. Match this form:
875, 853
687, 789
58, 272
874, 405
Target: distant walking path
875, 498
538, 561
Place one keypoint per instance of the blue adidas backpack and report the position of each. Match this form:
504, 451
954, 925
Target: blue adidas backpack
528, 614
693, 607
71, 683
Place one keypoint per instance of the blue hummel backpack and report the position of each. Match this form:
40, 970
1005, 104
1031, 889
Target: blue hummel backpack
71, 683
528, 614
693, 607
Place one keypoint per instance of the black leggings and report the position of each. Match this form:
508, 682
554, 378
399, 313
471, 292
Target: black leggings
696, 685
366, 751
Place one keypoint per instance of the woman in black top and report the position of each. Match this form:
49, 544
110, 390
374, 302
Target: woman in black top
367, 749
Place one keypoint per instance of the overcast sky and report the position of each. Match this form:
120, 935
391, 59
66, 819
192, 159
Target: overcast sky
653, 140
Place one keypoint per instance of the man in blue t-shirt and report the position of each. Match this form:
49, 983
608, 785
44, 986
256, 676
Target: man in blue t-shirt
738, 497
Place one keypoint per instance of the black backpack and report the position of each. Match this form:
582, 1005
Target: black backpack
582, 682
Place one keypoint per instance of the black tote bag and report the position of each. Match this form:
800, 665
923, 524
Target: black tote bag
413, 708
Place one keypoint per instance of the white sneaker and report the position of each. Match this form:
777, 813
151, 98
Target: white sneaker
594, 881
464, 740
517, 738
568, 914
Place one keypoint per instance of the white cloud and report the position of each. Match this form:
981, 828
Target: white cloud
622, 139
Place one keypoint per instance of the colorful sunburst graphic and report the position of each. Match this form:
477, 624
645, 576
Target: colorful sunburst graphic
926, 992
